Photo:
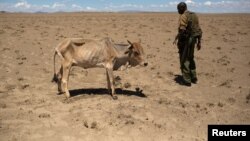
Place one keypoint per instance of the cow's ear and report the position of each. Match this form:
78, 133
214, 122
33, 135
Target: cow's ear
131, 45
129, 49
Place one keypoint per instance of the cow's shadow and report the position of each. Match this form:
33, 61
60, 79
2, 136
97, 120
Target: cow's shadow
104, 91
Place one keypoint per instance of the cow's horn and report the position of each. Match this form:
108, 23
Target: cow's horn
129, 42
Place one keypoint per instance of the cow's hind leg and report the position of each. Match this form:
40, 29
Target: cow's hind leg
59, 80
65, 77
111, 78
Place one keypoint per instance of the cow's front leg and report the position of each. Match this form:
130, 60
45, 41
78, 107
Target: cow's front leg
65, 76
111, 78
108, 81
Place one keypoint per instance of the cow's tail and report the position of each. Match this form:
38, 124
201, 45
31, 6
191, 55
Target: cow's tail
57, 52
55, 79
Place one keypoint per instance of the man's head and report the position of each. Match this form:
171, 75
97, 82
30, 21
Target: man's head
181, 7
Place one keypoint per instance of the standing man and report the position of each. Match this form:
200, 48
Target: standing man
189, 34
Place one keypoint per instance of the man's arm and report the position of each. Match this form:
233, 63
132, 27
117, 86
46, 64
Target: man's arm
182, 28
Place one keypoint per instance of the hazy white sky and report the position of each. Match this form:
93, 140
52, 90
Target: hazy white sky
205, 6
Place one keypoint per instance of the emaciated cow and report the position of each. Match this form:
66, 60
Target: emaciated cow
90, 53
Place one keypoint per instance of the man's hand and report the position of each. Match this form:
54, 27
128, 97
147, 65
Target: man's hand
199, 43
174, 42
198, 46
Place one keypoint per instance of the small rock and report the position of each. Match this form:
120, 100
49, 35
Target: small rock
93, 125
127, 85
220, 104
44, 115
85, 123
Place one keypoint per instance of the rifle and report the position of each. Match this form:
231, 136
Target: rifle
186, 35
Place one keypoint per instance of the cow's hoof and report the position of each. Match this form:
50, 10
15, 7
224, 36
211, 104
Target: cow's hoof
67, 95
114, 97
60, 92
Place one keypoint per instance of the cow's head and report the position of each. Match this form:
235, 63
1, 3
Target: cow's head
136, 54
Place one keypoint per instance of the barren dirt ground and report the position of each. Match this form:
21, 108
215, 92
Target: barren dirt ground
31, 109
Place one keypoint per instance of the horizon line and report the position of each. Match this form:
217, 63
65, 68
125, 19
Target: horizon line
121, 11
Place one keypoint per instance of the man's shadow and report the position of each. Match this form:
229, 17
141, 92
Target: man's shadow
178, 79
104, 91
